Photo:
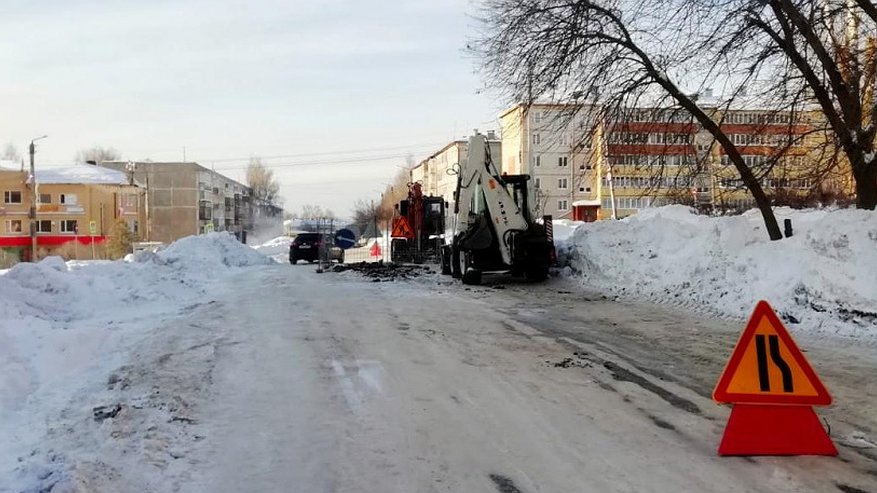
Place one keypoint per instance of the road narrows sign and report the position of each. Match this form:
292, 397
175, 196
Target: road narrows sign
772, 387
767, 367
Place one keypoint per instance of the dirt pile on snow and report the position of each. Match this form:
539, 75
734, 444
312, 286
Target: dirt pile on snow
822, 278
384, 272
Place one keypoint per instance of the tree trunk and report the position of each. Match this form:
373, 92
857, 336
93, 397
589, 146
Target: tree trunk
866, 187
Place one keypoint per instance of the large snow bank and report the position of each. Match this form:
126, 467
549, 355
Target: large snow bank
64, 326
821, 279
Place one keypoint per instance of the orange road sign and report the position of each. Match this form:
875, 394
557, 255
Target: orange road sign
767, 367
401, 228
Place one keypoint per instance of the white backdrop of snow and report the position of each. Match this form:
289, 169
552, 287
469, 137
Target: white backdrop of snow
64, 325
823, 277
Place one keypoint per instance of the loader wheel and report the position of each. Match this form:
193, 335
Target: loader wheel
469, 275
455, 262
536, 273
445, 256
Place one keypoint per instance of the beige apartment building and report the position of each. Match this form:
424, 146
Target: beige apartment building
552, 144
185, 199
436, 173
76, 210
649, 157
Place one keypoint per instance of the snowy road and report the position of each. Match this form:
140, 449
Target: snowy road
280, 379
331, 383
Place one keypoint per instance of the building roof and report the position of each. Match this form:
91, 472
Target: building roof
81, 173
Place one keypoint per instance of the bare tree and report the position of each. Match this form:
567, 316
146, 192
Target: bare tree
395, 192
825, 54
262, 181
611, 57
10, 153
312, 211
366, 213
97, 155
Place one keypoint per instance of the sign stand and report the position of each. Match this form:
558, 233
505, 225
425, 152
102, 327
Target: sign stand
775, 430
772, 387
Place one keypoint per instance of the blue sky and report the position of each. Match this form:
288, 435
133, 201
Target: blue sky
229, 79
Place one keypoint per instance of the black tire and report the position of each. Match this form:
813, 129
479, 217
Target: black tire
445, 255
469, 275
455, 262
293, 261
536, 273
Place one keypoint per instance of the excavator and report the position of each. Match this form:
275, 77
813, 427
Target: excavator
492, 225
418, 226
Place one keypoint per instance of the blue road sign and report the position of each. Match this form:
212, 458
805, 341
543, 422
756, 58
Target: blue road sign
344, 239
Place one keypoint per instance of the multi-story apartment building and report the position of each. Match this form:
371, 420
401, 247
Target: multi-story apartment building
586, 166
186, 199
76, 209
436, 173
553, 144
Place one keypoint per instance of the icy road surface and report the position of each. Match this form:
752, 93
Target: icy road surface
285, 380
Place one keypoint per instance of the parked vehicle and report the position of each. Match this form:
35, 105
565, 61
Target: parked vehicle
308, 246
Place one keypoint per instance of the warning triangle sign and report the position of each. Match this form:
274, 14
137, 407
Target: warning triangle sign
401, 228
767, 367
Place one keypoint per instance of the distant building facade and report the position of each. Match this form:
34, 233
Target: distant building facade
552, 144
76, 210
184, 199
586, 169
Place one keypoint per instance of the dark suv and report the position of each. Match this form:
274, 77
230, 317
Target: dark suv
306, 246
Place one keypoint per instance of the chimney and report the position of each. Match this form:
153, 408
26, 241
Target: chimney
491, 135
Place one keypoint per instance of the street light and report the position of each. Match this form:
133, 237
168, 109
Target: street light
33, 201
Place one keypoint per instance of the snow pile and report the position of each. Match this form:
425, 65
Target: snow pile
822, 278
211, 251
65, 326
276, 246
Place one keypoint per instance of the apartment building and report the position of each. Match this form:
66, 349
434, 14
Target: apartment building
649, 157
436, 172
553, 144
186, 199
76, 209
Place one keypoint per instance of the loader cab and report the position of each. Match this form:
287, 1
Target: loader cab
517, 186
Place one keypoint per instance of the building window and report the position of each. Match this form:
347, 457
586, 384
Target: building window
536, 138
12, 197
537, 183
562, 183
45, 198
538, 160
561, 205
130, 200
67, 199
562, 161
585, 189
69, 226
44, 226
13, 226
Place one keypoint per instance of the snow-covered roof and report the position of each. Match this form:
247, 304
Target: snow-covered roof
82, 173
7, 165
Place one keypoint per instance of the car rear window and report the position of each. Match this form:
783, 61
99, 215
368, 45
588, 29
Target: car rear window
308, 237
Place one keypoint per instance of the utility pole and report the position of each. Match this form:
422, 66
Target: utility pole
33, 201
